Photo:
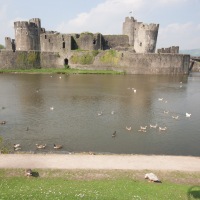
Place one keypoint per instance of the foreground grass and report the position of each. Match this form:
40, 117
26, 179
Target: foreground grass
97, 184
59, 70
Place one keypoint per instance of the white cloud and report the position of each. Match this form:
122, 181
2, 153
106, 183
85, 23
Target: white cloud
106, 18
186, 36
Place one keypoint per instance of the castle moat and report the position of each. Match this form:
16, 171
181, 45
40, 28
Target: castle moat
101, 113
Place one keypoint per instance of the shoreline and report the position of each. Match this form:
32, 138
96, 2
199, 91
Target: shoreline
96, 162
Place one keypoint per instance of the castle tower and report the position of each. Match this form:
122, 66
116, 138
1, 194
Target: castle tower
27, 34
128, 29
143, 37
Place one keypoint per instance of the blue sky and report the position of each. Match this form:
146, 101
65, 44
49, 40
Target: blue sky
179, 19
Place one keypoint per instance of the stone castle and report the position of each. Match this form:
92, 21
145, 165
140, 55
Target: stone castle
136, 36
132, 52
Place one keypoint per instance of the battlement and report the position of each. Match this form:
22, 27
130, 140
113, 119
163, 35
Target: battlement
152, 27
21, 24
130, 19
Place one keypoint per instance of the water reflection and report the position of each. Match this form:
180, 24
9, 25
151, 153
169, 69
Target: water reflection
77, 99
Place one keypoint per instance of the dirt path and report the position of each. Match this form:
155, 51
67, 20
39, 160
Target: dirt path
135, 162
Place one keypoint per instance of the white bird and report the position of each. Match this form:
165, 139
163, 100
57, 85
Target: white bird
134, 90
142, 130
18, 148
112, 112
100, 113
166, 111
128, 128
162, 128
160, 99
175, 117
40, 146
52, 108
143, 127
153, 126
16, 145
187, 114
60, 77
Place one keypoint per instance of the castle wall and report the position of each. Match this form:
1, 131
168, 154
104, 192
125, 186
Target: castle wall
87, 41
9, 44
55, 42
173, 49
139, 63
115, 41
29, 60
131, 63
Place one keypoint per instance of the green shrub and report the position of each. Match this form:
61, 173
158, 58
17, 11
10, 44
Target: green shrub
84, 58
1, 46
110, 56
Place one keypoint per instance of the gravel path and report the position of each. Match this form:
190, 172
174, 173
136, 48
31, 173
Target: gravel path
134, 162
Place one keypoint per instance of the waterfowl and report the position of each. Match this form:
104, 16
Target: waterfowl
153, 126
2, 122
52, 108
160, 99
16, 145
28, 172
114, 134
142, 130
40, 146
112, 112
166, 111
162, 128
143, 127
100, 113
128, 128
17, 148
187, 114
175, 117
57, 146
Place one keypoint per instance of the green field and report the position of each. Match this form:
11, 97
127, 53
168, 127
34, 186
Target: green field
59, 71
97, 184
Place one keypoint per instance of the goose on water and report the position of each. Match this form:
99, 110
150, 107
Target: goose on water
114, 134
57, 146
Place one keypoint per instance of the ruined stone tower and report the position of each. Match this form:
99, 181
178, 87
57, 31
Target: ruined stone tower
142, 37
27, 34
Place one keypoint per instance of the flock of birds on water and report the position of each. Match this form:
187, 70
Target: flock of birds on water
141, 129
154, 126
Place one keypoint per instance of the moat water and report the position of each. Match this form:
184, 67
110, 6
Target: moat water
63, 109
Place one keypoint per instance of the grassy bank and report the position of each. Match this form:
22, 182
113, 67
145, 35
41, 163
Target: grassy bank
97, 184
60, 71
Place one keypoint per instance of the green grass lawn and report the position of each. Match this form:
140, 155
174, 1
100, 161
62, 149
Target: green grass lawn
59, 71
97, 184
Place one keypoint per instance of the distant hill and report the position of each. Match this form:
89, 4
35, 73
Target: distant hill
192, 52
